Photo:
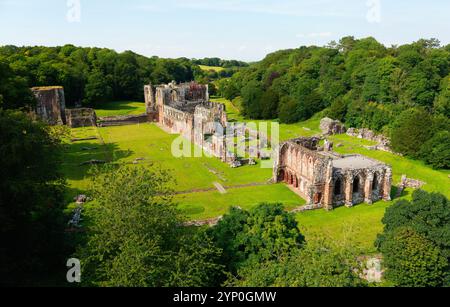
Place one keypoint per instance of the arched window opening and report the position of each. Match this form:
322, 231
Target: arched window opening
375, 182
338, 187
356, 184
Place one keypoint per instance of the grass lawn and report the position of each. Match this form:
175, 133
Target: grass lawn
117, 108
127, 143
153, 144
362, 222
213, 204
214, 68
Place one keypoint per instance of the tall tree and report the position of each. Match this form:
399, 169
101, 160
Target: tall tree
31, 202
137, 237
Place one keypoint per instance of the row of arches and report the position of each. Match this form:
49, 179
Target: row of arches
357, 184
295, 158
293, 180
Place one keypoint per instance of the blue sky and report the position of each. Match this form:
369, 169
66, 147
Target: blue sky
231, 29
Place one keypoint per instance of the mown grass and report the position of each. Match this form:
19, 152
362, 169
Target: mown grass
148, 141
213, 204
119, 108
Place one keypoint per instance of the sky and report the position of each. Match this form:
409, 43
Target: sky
230, 29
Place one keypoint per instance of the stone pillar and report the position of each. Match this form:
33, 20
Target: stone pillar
349, 191
329, 188
387, 185
368, 188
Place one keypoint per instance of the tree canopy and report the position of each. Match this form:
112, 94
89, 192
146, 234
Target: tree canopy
136, 236
416, 240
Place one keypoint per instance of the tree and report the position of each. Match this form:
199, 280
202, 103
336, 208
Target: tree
442, 103
428, 215
137, 237
251, 98
14, 92
411, 260
436, 151
97, 89
410, 131
338, 110
318, 264
31, 202
288, 111
264, 233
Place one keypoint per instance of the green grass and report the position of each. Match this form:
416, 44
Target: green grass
125, 144
214, 68
213, 204
118, 108
148, 141
363, 222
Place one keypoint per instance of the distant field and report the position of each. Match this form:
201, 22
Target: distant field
194, 175
118, 108
214, 68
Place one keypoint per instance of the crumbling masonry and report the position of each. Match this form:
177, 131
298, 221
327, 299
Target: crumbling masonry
328, 180
185, 109
51, 108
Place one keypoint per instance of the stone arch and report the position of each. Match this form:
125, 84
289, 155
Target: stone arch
356, 184
281, 176
376, 182
338, 186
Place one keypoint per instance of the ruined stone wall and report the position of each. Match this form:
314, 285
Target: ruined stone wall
301, 167
178, 122
150, 99
51, 104
315, 175
331, 127
83, 117
170, 93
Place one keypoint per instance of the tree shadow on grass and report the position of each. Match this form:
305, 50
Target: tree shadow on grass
77, 156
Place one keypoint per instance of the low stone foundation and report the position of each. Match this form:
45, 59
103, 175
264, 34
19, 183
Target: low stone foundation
83, 117
123, 120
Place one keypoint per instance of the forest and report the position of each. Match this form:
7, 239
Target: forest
90, 76
400, 91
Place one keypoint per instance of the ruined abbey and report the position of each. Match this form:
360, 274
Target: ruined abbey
185, 109
326, 179
316, 173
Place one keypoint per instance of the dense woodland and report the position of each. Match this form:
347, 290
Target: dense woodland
401, 91
89, 75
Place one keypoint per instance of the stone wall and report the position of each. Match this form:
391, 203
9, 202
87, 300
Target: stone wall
383, 143
51, 104
83, 117
122, 120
